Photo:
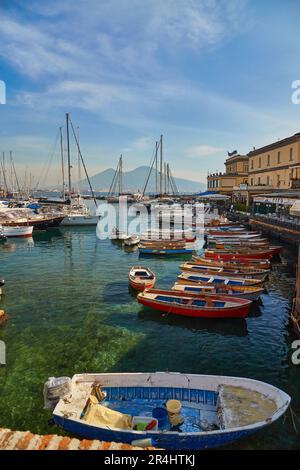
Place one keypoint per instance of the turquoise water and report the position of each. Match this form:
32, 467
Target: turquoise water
71, 311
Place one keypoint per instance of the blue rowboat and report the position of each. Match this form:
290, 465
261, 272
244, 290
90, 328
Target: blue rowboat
216, 410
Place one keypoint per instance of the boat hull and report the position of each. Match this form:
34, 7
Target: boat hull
179, 251
17, 232
240, 256
175, 442
79, 220
231, 312
248, 294
261, 264
166, 385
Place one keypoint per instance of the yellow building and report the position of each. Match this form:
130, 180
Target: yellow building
275, 166
235, 176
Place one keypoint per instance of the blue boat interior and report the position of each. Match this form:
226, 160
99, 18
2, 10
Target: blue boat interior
183, 301
198, 410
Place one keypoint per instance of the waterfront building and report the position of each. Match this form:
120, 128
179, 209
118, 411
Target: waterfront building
235, 176
275, 166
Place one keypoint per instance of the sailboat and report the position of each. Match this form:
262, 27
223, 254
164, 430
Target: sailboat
77, 213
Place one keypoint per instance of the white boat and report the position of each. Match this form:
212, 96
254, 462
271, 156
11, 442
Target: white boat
17, 231
132, 240
214, 410
75, 219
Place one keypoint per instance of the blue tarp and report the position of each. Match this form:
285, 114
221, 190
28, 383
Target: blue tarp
207, 193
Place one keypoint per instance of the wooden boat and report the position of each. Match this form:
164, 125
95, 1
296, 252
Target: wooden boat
243, 253
219, 280
243, 292
168, 234
238, 236
163, 249
255, 263
189, 305
226, 271
132, 240
141, 278
164, 243
232, 246
216, 410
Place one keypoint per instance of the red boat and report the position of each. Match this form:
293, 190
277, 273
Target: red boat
197, 306
253, 263
240, 254
141, 278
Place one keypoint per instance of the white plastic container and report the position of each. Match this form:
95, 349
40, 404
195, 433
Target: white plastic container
144, 419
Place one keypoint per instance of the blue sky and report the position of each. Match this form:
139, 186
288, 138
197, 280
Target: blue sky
211, 75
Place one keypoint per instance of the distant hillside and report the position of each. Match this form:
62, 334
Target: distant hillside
134, 181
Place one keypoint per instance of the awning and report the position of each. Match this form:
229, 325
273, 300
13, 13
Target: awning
295, 209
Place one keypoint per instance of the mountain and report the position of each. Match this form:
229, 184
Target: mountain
134, 180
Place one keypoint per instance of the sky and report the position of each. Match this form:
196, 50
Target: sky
210, 75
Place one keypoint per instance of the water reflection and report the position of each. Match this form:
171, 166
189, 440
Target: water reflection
223, 327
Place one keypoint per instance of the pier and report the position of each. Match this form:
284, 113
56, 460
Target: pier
281, 228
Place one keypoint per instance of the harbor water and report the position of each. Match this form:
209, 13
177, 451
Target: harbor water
71, 311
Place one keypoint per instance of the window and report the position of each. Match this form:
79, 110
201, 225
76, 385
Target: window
291, 153
268, 180
278, 180
268, 160
251, 164
251, 181
278, 157
258, 181
259, 162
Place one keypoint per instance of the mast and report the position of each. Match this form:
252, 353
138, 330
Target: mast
62, 163
69, 158
121, 176
4, 171
156, 169
161, 167
79, 162
165, 177
168, 178
15, 173
83, 164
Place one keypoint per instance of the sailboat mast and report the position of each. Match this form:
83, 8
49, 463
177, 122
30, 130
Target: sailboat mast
168, 178
62, 163
79, 162
4, 171
121, 176
15, 173
69, 157
161, 167
156, 169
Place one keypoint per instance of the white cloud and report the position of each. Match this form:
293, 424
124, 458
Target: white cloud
198, 151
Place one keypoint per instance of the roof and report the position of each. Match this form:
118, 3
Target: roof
236, 157
280, 143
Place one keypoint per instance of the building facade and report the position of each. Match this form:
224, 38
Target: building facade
275, 166
235, 176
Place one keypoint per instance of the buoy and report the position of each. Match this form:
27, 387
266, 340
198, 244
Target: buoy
3, 317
